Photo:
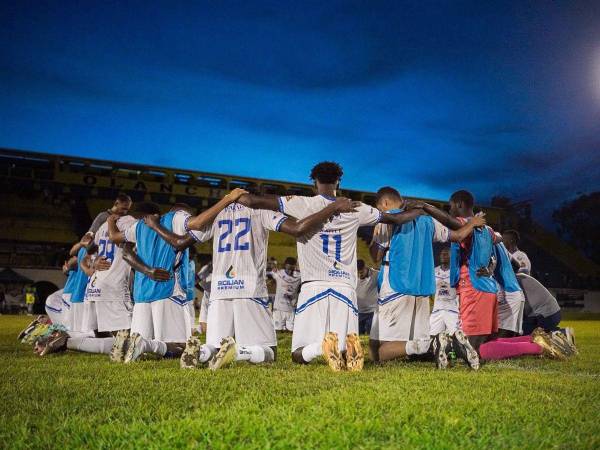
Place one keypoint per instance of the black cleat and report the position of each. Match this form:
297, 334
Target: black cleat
465, 350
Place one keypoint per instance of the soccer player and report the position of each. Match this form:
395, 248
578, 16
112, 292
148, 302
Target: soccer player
406, 281
444, 317
240, 325
471, 270
121, 207
326, 321
161, 321
541, 308
286, 294
472, 264
511, 239
366, 296
511, 300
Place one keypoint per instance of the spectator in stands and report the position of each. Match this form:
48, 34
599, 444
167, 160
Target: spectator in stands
366, 296
2, 299
511, 239
121, 207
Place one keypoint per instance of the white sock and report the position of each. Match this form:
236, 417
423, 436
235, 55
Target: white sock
256, 354
154, 346
90, 344
312, 351
206, 352
417, 347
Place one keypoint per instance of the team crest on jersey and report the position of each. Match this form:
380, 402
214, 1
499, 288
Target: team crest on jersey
230, 273
338, 271
231, 283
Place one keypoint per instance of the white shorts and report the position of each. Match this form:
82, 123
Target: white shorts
248, 320
107, 315
443, 320
56, 311
77, 318
324, 307
401, 318
166, 320
510, 310
192, 312
284, 320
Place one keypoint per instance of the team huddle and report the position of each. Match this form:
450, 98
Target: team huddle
131, 280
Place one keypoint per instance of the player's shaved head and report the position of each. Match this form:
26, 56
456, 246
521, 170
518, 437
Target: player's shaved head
461, 204
145, 208
388, 198
290, 260
464, 197
182, 207
387, 192
122, 204
327, 172
514, 234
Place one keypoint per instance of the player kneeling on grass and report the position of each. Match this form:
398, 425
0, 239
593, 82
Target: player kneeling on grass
239, 324
326, 320
407, 280
161, 322
107, 304
472, 266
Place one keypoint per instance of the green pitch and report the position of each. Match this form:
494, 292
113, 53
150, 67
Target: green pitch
83, 401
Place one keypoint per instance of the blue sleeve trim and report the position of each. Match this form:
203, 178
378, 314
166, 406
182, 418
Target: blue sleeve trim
278, 226
280, 204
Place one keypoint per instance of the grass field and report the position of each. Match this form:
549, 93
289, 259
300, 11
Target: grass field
83, 401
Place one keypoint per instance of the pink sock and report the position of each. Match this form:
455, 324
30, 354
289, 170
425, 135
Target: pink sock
526, 338
502, 350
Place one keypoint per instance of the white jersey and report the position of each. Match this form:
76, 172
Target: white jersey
366, 292
286, 293
240, 237
445, 295
382, 236
112, 284
180, 218
523, 260
330, 254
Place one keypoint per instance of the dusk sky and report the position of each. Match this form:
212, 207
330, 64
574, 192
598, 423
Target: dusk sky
430, 97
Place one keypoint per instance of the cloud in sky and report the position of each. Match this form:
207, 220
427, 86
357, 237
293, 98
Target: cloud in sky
497, 98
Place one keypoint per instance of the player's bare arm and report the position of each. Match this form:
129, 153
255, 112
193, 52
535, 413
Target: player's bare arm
116, 236
377, 252
131, 258
402, 217
86, 265
315, 221
177, 241
442, 216
207, 217
84, 242
465, 231
260, 202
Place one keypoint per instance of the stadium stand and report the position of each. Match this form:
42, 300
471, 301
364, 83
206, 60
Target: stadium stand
50, 200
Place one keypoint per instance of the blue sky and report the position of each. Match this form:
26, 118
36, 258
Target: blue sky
430, 97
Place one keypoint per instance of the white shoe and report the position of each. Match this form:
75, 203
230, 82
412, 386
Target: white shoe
134, 348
